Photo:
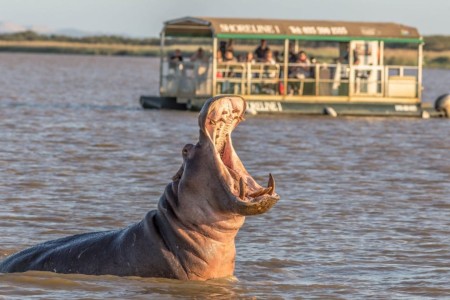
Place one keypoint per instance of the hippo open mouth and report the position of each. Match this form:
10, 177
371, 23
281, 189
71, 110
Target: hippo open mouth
218, 118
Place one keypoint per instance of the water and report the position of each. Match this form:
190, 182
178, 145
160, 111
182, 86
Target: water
364, 209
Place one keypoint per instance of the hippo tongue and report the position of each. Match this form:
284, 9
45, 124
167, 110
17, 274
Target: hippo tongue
218, 118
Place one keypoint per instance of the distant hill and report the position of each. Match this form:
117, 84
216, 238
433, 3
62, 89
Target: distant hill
12, 28
9, 27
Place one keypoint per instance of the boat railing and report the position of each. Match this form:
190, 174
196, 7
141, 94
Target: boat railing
319, 79
402, 81
294, 80
185, 78
230, 78
247, 78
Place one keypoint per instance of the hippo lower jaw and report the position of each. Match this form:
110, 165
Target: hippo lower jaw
218, 118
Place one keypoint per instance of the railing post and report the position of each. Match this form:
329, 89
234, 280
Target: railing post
317, 78
419, 71
214, 67
249, 78
161, 60
285, 67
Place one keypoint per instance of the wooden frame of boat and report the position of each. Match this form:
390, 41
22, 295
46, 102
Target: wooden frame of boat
370, 87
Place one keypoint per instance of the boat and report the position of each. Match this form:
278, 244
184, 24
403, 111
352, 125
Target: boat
357, 79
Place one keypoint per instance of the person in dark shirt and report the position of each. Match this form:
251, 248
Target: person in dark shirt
345, 58
175, 60
260, 52
199, 55
292, 58
176, 57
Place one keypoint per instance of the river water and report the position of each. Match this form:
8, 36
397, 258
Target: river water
364, 209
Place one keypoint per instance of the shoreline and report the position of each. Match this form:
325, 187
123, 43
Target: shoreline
78, 48
432, 59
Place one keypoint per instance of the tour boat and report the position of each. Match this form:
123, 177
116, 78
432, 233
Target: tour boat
349, 74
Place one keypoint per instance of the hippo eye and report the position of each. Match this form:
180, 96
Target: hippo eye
186, 150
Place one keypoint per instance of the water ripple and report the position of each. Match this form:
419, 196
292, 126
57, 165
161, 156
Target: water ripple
365, 205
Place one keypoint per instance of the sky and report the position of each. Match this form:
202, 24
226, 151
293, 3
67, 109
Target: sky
144, 18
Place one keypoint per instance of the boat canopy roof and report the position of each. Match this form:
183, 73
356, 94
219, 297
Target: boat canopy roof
311, 30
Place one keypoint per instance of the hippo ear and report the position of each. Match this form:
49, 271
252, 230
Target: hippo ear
258, 206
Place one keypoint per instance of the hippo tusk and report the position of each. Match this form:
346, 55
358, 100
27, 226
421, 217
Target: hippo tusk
242, 188
271, 184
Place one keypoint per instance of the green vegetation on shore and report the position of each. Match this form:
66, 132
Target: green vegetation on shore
436, 50
101, 39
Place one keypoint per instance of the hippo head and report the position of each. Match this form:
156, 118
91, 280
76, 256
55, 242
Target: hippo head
213, 174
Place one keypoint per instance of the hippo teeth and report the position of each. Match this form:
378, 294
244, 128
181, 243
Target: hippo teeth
269, 190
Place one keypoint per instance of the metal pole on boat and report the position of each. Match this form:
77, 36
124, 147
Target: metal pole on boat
383, 69
214, 67
161, 59
419, 70
285, 68
351, 78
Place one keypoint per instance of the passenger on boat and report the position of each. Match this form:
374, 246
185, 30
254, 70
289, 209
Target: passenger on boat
276, 56
229, 57
200, 64
268, 58
199, 55
270, 71
230, 46
292, 55
176, 57
302, 68
219, 56
175, 61
250, 58
224, 46
345, 58
260, 52
231, 70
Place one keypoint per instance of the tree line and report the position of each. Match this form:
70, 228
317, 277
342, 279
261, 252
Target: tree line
99, 39
432, 42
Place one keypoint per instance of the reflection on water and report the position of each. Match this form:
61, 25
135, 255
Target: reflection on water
365, 205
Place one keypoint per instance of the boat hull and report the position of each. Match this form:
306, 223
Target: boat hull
333, 108
157, 102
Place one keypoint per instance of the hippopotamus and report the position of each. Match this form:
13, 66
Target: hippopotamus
191, 234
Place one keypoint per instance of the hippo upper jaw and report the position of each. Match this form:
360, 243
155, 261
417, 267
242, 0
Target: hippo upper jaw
218, 117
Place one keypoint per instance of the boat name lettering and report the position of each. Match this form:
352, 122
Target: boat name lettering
368, 31
322, 30
267, 106
249, 28
405, 108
